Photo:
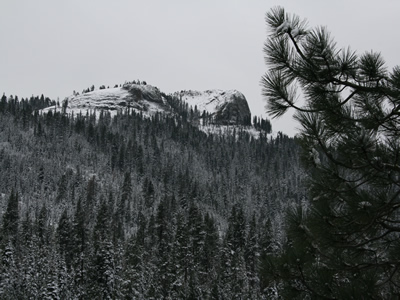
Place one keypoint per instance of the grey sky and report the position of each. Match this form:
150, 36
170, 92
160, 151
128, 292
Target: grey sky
55, 47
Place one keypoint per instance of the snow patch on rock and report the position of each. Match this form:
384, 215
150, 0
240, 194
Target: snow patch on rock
226, 107
146, 99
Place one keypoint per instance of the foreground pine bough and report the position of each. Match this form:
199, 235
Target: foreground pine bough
346, 243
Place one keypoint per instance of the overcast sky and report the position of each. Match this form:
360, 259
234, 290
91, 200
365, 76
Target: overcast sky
54, 47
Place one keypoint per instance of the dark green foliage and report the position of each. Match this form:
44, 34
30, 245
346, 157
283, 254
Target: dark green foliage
342, 244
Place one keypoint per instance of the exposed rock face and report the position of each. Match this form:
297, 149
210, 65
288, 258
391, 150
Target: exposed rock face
110, 99
141, 98
234, 111
144, 92
225, 107
213, 107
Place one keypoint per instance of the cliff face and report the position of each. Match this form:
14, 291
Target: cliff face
234, 111
144, 92
224, 107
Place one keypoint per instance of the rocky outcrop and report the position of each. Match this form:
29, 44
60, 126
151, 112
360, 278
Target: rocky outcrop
144, 92
212, 107
138, 97
234, 111
223, 107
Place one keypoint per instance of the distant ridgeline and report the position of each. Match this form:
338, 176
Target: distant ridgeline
212, 107
122, 193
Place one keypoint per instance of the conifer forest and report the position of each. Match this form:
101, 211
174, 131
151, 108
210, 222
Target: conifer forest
131, 193
137, 208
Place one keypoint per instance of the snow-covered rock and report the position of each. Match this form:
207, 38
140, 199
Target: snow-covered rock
110, 99
140, 98
212, 107
224, 107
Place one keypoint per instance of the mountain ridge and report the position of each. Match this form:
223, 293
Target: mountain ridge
211, 107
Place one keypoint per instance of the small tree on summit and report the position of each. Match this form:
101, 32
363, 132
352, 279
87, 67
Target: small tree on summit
348, 241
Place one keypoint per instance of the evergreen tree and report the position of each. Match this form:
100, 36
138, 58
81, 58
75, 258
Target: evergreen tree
163, 233
346, 245
148, 192
11, 219
103, 268
211, 247
81, 243
268, 262
251, 256
42, 226
233, 270
136, 258
64, 236
8, 274
181, 257
62, 189
126, 198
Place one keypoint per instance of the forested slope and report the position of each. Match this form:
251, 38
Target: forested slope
131, 207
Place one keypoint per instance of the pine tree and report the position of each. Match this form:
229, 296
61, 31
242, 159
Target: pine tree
163, 233
211, 247
251, 256
64, 236
148, 192
126, 198
233, 270
80, 255
136, 261
8, 274
181, 257
11, 219
90, 193
42, 226
103, 273
268, 262
348, 241
62, 189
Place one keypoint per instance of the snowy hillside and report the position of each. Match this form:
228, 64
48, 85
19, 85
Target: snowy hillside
110, 99
140, 98
230, 129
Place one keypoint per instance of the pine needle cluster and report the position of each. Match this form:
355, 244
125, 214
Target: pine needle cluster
346, 245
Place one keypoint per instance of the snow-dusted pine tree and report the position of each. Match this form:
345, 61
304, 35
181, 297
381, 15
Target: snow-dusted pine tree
348, 241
